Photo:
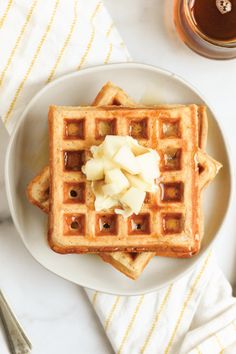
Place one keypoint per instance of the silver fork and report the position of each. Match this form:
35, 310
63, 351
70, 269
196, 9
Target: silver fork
17, 340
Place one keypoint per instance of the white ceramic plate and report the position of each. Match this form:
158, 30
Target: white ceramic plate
28, 153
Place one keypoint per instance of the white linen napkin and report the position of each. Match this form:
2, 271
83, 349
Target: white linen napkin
41, 40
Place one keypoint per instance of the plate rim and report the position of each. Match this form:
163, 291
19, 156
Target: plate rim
133, 65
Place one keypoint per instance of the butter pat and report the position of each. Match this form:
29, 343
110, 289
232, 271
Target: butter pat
112, 144
94, 169
139, 183
116, 182
102, 202
115, 175
134, 199
122, 171
126, 160
149, 166
112, 189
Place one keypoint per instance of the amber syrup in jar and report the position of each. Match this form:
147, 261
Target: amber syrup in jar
207, 26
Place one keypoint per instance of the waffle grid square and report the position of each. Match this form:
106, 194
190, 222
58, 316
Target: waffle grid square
163, 214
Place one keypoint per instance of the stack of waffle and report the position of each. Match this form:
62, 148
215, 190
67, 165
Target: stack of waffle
170, 222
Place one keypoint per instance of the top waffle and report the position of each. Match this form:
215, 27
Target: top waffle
169, 220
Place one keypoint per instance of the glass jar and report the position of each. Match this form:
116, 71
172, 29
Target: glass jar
207, 26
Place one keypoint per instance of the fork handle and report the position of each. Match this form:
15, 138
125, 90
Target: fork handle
17, 340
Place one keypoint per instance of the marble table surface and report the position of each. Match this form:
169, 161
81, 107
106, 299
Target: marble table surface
55, 313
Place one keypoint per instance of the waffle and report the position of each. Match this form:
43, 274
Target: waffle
130, 264
169, 222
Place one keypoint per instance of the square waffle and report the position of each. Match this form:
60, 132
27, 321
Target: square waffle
131, 264
169, 222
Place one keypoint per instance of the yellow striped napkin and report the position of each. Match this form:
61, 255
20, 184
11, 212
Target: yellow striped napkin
41, 40
196, 314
